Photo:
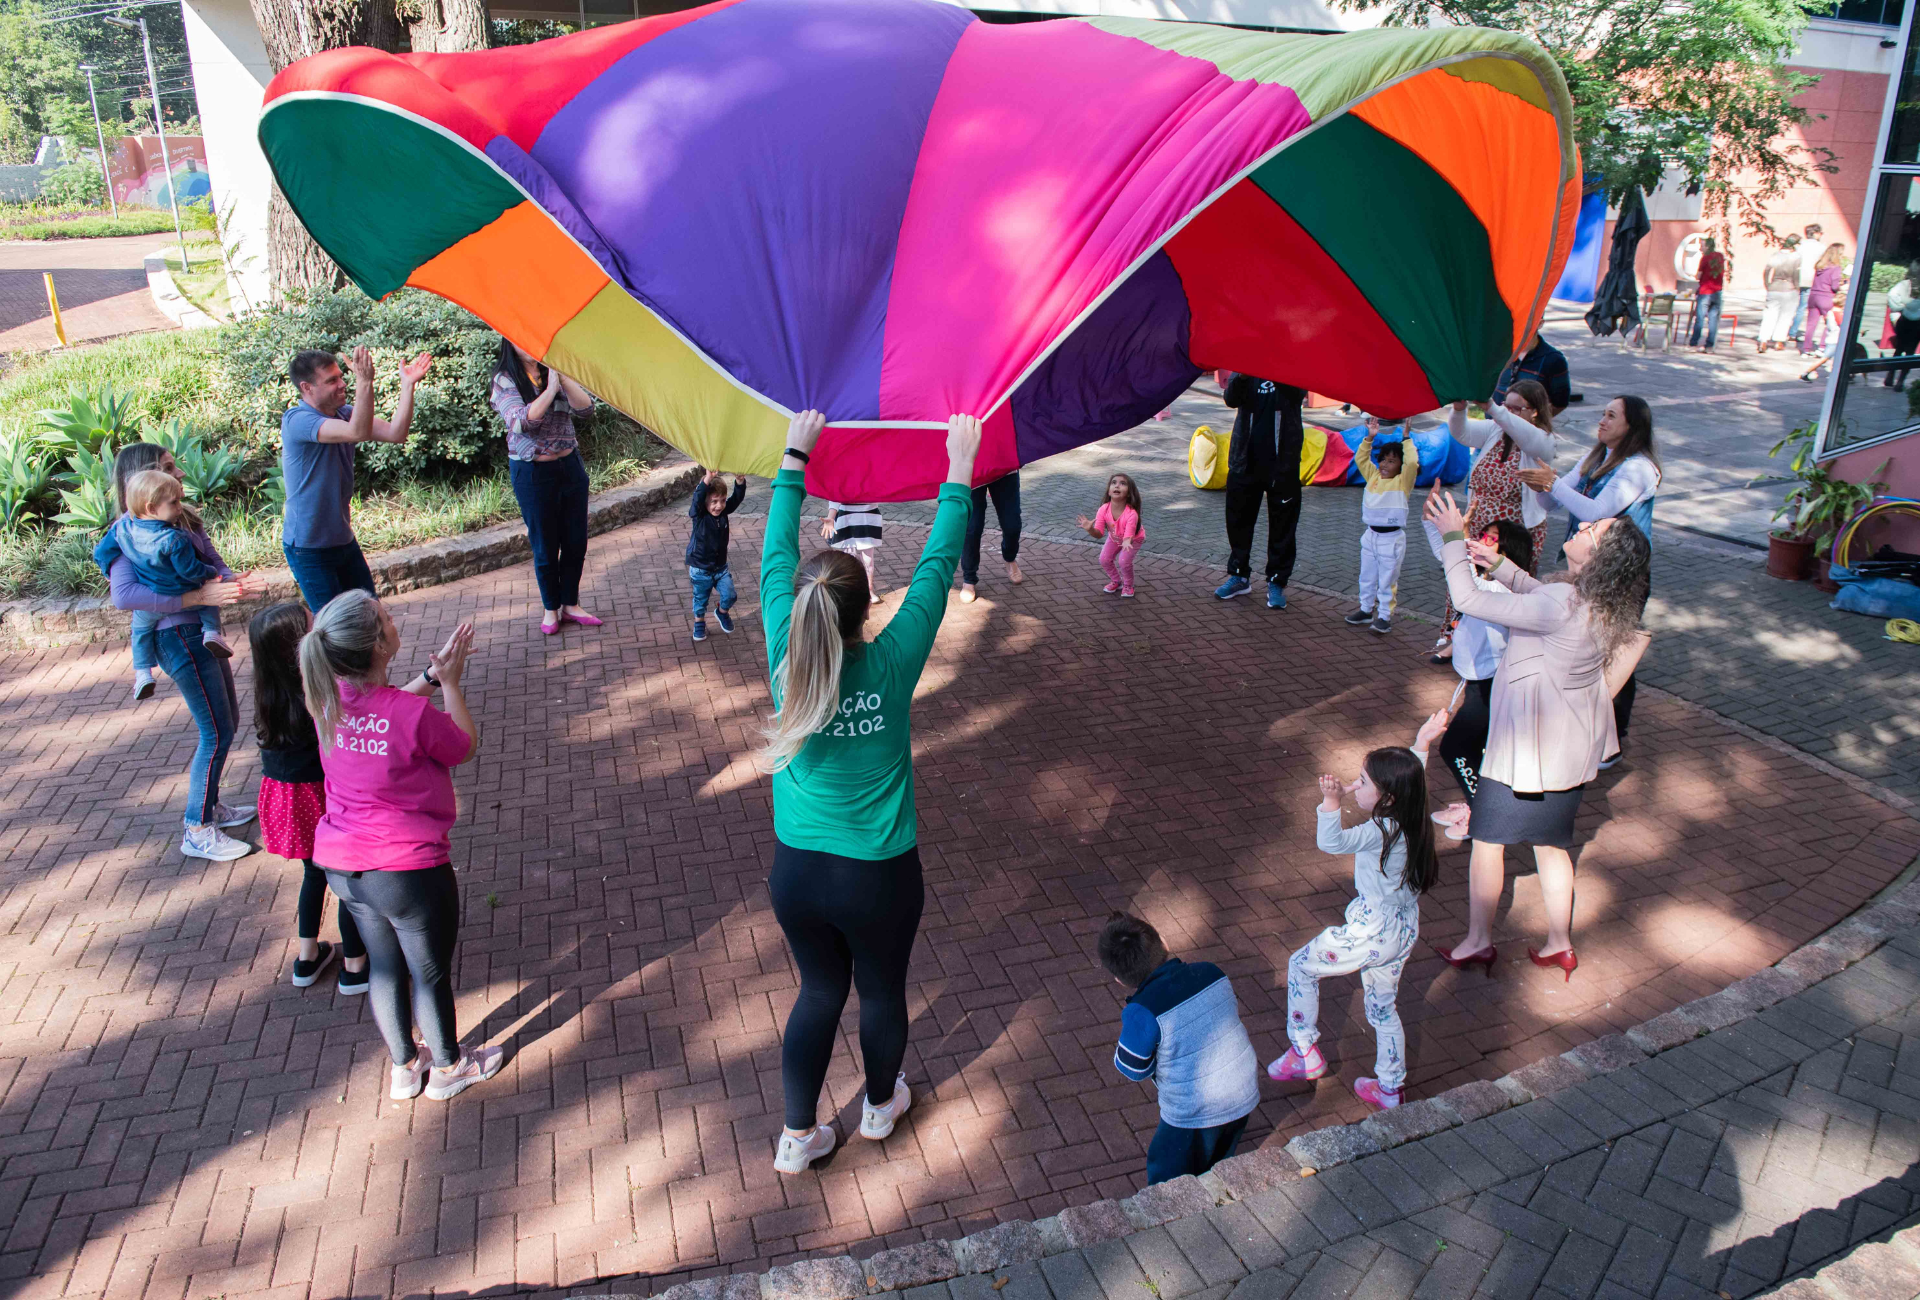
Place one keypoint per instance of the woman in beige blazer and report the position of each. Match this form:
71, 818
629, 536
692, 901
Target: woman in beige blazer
1572, 640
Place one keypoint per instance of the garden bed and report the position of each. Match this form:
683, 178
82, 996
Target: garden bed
84, 224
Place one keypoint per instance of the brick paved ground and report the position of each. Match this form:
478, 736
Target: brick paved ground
102, 285
179, 1122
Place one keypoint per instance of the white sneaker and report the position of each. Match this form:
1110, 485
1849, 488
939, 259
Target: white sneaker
228, 815
142, 684
877, 1122
476, 1066
207, 842
409, 1078
795, 1154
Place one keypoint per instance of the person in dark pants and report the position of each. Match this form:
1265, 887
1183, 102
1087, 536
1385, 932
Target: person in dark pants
1263, 462
846, 884
317, 437
538, 404
1005, 492
1181, 1028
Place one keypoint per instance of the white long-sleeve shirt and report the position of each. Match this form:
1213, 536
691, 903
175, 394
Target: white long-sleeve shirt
1380, 896
1634, 480
1536, 450
1477, 644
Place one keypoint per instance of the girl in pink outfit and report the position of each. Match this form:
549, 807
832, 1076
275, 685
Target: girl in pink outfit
1118, 523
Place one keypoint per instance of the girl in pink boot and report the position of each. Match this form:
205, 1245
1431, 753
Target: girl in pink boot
1393, 864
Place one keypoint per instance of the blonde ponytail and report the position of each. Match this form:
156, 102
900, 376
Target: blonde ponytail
341, 644
829, 607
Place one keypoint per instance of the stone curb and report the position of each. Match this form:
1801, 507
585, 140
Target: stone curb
1244, 1177
81, 620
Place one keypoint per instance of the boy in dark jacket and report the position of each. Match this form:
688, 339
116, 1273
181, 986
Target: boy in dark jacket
707, 549
1181, 1028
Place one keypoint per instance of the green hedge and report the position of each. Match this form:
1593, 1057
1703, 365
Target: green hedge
134, 221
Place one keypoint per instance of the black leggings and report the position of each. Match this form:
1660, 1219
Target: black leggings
1623, 707
1465, 741
410, 921
849, 922
313, 901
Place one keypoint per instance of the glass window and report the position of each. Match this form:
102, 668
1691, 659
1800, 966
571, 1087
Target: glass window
1903, 133
1882, 315
1886, 13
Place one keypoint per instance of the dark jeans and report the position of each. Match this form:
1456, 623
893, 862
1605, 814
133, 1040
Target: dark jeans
1283, 517
323, 572
1707, 308
1176, 1151
553, 500
1005, 492
409, 921
1465, 741
206, 684
850, 923
313, 902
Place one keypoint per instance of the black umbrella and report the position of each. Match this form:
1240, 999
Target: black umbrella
1616, 303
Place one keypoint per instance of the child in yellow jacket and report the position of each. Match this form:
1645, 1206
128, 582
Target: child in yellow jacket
1383, 509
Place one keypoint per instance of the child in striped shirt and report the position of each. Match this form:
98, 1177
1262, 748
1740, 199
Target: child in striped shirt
855, 530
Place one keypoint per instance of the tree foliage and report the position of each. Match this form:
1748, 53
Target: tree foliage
1698, 86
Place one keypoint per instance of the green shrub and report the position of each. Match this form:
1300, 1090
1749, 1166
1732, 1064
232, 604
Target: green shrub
76, 184
89, 504
88, 421
1885, 275
25, 474
135, 221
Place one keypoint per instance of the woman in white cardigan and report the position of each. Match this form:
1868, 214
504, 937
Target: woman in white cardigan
1571, 641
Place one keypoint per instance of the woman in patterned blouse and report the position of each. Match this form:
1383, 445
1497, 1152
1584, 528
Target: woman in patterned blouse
549, 481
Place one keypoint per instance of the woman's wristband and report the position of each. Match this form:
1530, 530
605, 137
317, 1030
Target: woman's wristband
800, 456
427, 675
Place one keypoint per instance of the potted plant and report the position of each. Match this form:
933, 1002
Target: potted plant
1811, 515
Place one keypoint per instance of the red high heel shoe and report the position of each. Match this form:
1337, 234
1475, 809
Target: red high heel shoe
1563, 960
1485, 957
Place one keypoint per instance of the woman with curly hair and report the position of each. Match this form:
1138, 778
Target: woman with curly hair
1572, 641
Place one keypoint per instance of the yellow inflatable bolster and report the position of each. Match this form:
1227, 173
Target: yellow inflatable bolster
1207, 458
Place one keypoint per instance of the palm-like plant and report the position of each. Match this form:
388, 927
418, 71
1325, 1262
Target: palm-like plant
24, 476
176, 435
88, 496
207, 471
88, 422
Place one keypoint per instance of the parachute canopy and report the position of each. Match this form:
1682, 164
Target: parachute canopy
891, 211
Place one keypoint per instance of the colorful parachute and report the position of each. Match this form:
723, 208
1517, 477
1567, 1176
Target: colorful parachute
890, 211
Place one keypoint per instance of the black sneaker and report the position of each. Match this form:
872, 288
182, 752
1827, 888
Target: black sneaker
1382, 625
306, 972
352, 983
699, 629
724, 619
1359, 617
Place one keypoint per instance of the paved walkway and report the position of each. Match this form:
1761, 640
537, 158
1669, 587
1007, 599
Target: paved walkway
179, 1122
102, 285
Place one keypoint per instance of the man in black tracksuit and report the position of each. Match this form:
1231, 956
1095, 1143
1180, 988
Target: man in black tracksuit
1262, 461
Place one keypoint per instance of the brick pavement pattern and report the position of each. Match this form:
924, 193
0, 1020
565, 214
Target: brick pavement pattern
179, 1122
102, 285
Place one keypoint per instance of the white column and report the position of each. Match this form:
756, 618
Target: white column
230, 77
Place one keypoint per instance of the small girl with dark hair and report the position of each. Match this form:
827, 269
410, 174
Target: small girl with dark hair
1118, 524
293, 792
1393, 864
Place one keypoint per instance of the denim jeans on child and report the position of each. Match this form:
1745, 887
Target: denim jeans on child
711, 582
146, 645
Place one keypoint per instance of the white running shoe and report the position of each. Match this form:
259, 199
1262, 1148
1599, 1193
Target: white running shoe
877, 1122
795, 1153
476, 1066
207, 842
408, 1078
226, 816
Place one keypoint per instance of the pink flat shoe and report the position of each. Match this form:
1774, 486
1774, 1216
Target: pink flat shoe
548, 629
1370, 1091
584, 620
1295, 1068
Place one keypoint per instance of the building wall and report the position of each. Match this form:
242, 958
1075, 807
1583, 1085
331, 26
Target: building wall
230, 80
1848, 101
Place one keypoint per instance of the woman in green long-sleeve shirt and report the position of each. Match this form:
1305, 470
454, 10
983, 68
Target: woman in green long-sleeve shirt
846, 874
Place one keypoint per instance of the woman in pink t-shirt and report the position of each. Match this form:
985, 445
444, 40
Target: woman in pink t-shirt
389, 757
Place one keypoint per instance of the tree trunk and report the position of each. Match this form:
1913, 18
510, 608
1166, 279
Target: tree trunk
291, 30
446, 26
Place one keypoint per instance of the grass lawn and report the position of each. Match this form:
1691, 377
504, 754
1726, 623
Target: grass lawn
86, 223
205, 286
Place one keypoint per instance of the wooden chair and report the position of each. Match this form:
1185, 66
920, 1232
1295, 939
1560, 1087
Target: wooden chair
1657, 308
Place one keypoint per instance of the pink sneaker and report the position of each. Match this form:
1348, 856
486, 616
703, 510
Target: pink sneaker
1111, 587
1126, 593
1370, 1091
1295, 1068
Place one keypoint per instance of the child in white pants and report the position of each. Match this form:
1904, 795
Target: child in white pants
1383, 509
856, 530
1393, 864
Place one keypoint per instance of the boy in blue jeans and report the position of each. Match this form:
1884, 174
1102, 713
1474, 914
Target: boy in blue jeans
707, 549
1181, 1028
155, 539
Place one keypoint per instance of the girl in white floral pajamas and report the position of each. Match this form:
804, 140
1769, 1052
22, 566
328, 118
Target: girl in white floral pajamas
1393, 864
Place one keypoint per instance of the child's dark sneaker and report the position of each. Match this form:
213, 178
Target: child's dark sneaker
306, 972
352, 983
699, 629
725, 620
1359, 617
1276, 596
1382, 626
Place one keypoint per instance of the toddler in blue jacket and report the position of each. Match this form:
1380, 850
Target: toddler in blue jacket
153, 539
1181, 1028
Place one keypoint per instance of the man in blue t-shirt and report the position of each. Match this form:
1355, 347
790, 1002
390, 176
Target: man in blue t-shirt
317, 437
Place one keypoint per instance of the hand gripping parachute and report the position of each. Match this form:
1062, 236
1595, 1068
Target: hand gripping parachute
891, 211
